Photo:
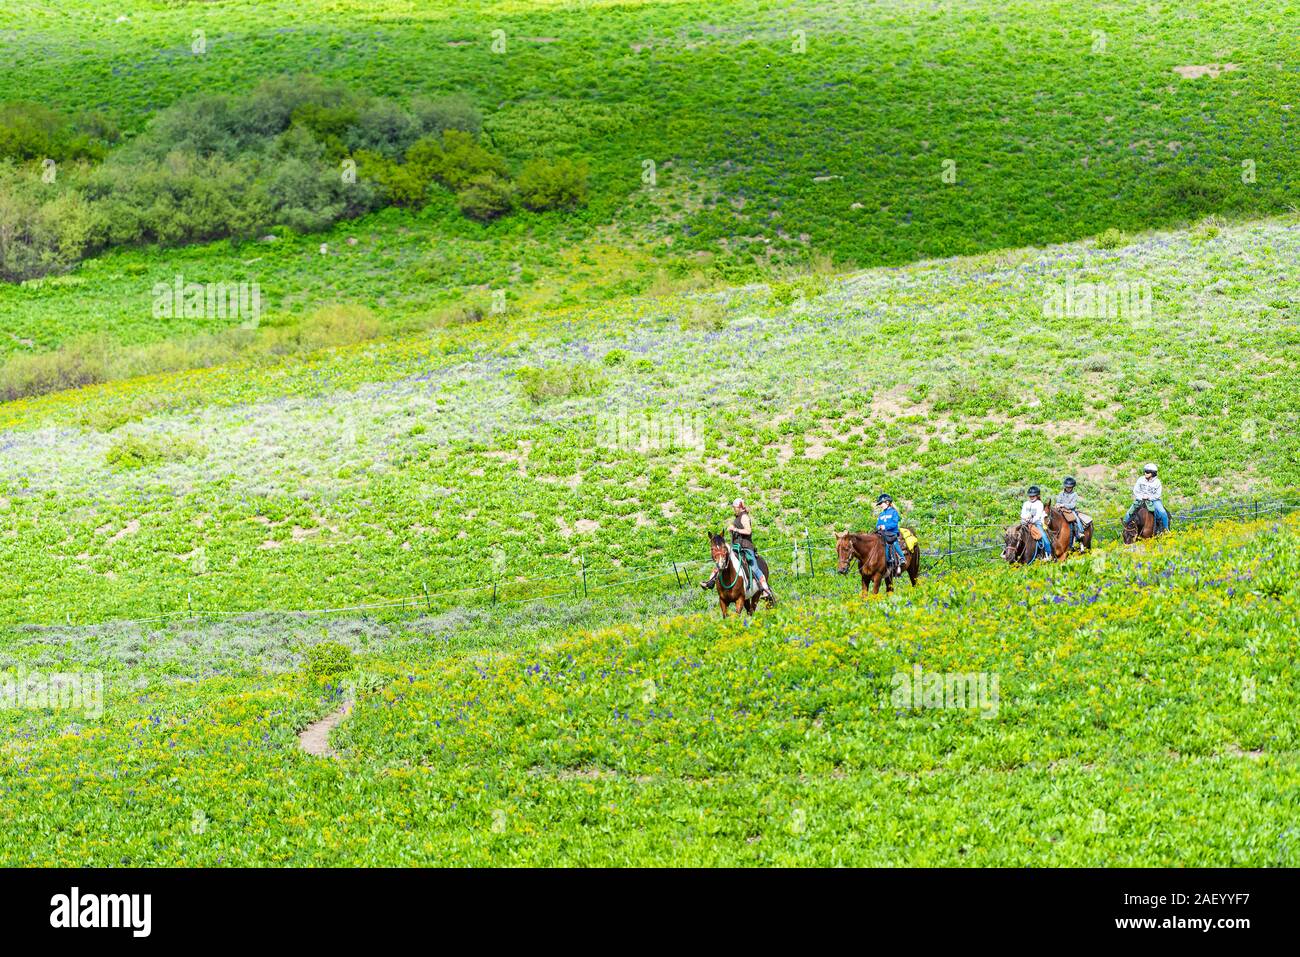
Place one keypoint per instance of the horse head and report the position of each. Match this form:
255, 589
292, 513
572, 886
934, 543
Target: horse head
1011, 542
1130, 528
845, 552
718, 548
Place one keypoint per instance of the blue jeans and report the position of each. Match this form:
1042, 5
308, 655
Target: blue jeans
1042, 542
751, 559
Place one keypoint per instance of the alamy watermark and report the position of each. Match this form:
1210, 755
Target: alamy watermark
650, 432
62, 691
179, 299
946, 689
1124, 299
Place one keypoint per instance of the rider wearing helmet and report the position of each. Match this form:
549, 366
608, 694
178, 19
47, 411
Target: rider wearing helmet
1149, 489
742, 531
887, 520
1069, 499
1034, 513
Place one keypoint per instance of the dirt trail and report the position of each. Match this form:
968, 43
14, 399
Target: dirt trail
315, 738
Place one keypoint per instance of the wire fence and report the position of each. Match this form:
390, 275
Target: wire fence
961, 544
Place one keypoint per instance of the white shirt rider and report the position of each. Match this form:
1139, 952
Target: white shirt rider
1147, 489
1032, 511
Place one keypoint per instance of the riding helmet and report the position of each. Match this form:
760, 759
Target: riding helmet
1070, 482
1150, 467
884, 497
1035, 490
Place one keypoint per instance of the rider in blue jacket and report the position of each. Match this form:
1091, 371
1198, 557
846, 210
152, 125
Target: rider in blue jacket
887, 522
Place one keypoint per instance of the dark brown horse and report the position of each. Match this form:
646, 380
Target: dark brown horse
732, 581
1143, 524
1019, 545
869, 550
1059, 532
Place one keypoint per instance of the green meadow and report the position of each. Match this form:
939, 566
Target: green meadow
603, 268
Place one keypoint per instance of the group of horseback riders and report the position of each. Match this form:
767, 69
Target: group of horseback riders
1045, 531
1035, 536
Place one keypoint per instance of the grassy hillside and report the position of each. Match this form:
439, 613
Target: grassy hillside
523, 446
462, 472
779, 133
1137, 708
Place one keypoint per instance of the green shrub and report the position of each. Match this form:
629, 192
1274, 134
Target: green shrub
553, 184
32, 131
560, 381
399, 184
1112, 239
446, 113
327, 660
485, 197
141, 451
454, 159
803, 287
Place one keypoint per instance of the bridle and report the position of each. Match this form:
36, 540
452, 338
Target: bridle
721, 565
852, 541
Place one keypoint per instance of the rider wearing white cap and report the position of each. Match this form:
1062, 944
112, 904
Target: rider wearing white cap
1149, 489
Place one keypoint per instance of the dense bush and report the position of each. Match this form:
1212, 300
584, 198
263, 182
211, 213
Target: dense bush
42, 228
553, 184
326, 660
296, 152
33, 131
485, 197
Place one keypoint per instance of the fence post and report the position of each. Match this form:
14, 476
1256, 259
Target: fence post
677, 575
494, 591
950, 537
428, 602
583, 559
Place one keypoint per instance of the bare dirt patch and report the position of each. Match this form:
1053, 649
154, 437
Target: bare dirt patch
315, 738
1212, 70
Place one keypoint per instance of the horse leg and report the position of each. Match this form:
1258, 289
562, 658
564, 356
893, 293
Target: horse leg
722, 603
876, 580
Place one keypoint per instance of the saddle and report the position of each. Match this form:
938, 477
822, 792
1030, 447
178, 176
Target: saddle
747, 576
1034, 533
1071, 515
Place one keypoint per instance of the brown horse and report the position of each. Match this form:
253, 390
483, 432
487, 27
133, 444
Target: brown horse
733, 592
869, 550
1142, 525
1019, 545
1059, 532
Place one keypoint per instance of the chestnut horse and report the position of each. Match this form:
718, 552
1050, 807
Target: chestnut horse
1142, 525
869, 550
1059, 532
733, 592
